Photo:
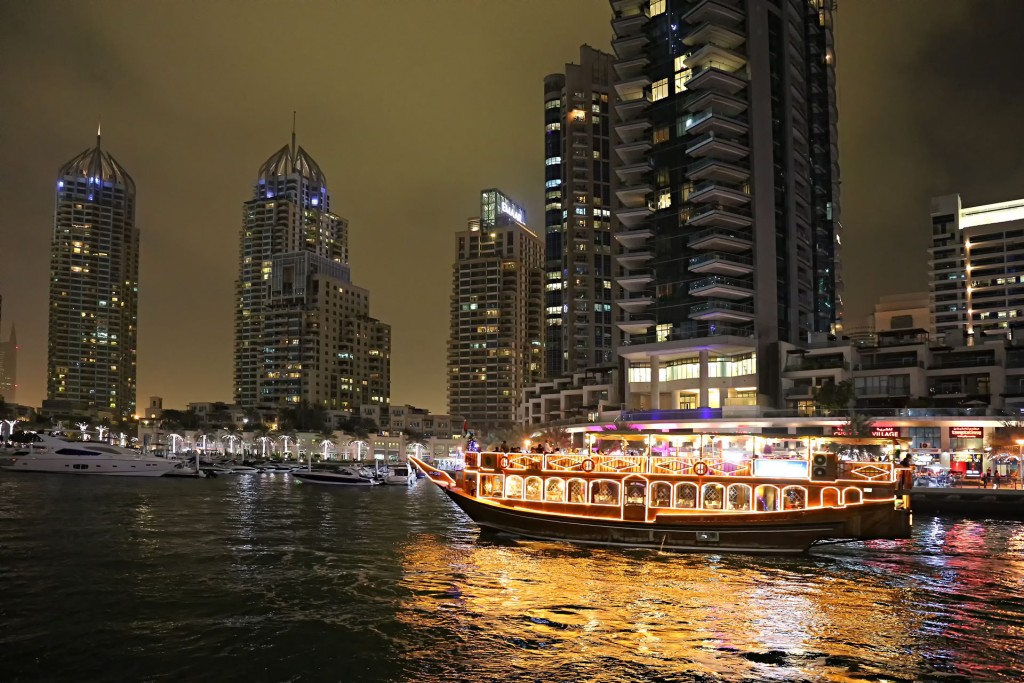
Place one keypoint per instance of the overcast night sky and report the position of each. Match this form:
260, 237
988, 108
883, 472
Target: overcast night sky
411, 107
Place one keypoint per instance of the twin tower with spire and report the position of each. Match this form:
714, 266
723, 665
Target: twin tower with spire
302, 332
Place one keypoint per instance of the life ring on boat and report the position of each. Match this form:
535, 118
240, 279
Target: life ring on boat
588, 465
503, 463
700, 468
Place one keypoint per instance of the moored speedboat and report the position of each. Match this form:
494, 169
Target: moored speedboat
55, 454
680, 502
399, 474
339, 477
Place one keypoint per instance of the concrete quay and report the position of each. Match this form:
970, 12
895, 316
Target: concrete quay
974, 501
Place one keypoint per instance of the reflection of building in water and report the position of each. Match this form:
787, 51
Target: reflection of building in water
542, 607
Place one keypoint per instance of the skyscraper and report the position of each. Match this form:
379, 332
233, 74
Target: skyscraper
495, 347
8, 362
728, 196
578, 222
302, 328
975, 281
94, 287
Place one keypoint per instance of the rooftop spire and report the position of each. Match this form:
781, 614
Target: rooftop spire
293, 132
99, 132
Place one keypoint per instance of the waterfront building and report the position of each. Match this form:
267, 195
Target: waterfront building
302, 327
727, 195
579, 115
582, 396
975, 284
405, 417
8, 362
94, 288
495, 346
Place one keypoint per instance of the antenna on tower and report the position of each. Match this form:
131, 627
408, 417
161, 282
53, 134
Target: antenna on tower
293, 131
99, 132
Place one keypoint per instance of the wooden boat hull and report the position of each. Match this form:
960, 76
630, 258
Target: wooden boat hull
788, 532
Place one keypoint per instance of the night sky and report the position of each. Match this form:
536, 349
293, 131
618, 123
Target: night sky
411, 108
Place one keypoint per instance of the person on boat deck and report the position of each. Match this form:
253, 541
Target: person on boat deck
504, 446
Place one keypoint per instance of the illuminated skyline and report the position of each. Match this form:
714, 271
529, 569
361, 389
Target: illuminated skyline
410, 132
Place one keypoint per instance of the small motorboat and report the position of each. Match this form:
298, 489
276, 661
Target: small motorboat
400, 474
339, 477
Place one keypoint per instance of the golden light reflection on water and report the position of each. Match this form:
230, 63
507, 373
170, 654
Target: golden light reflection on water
536, 605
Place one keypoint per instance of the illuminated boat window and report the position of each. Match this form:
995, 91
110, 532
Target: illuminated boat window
533, 488
514, 487
555, 490
851, 496
739, 497
766, 498
830, 497
661, 495
636, 493
714, 496
604, 493
795, 497
577, 491
686, 495
491, 485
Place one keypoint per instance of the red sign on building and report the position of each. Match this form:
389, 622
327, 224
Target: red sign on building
876, 432
965, 432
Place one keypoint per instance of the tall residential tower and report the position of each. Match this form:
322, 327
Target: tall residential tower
579, 115
495, 346
8, 362
302, 329
94, 288
728, 195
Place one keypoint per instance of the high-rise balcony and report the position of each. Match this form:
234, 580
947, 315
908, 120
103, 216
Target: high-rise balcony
717, 192
713, 55
709, 32
716, 146
716, 169
720, 12
716, 77
630, 46
720, 239
720, 217
721, 263
722, 287
631, 217
633, 196
634, 152
635, 326
634, 239
632, 88
632, 67
635, 282
727, 105
633, 173
631, 109
633, 131
634, 259
709, 121
717, 309
629, 24
635, 304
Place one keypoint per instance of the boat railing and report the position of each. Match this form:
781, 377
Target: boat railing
867, 471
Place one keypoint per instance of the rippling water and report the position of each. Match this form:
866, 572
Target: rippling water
261, 578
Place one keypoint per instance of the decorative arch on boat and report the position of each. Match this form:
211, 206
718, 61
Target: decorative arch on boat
576, 491
534, 488
660, 495
851, 496
554, 490
514, 486
830, 497
712, 496
794, 498
739, 497
767, 498
604, 492
686, 495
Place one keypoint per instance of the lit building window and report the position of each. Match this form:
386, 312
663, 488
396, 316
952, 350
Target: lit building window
659, 90
657, 7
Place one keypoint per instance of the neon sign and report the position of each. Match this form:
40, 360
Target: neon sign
510, 209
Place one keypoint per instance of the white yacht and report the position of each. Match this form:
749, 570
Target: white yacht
342, 476
55, 453
399, 474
